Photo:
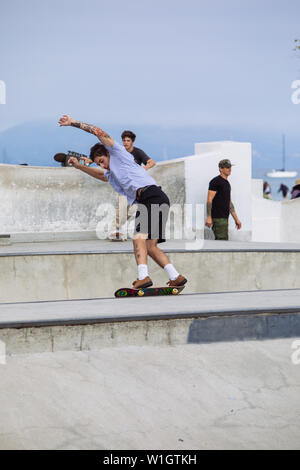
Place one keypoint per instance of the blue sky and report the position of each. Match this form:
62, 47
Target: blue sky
216, 63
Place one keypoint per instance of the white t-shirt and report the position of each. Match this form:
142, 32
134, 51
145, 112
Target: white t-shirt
124, 174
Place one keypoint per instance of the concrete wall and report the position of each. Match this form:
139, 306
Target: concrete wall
274, 221
37, 202
81, 276
40, 203
266, 215
41, 199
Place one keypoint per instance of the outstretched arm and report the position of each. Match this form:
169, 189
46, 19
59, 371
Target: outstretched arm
66, 120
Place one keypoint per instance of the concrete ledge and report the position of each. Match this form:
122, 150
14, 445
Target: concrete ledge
66, 235
91, 245
100, 323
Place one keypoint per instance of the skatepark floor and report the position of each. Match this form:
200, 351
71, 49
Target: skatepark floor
236, 395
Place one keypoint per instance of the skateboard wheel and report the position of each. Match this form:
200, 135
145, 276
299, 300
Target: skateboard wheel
175, 291
140, 292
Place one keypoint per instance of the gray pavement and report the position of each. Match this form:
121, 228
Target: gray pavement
242, 395
162, 307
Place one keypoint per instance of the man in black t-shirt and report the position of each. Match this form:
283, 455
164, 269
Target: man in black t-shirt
123, 209
219, 204
140, 157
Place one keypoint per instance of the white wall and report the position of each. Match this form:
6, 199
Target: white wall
266, 215
290, 226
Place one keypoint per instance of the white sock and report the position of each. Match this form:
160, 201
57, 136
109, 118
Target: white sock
171, 271
142, 271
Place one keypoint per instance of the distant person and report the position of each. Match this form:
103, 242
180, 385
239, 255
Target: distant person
219, 204
123, 209
267, 190
284, 190
296, 190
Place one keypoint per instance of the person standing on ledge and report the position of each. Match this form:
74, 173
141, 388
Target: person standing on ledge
219, 204
123, 209
129, 179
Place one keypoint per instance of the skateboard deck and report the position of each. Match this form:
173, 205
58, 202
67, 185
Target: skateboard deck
63, 158
148, 291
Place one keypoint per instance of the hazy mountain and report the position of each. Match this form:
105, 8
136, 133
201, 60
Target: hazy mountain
35, 143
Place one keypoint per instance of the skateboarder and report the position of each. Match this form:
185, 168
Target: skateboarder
123, 209
129, 179
219, 204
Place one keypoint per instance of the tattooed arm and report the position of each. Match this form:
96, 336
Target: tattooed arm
102, 135
210, 197
234, 215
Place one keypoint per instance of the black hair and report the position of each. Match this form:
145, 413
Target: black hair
129, 134
97, 151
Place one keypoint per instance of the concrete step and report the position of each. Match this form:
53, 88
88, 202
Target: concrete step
200, 318
93, 269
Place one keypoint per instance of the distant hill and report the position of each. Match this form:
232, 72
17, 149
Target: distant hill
35, 143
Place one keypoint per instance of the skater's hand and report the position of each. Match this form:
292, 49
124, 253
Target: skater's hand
65, 120
74, 162
87, 161
238, 224
208, 221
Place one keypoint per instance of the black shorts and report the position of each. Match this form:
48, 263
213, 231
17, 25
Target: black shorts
152, 213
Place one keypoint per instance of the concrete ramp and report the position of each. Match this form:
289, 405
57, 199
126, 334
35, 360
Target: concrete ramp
242, 395
152, 373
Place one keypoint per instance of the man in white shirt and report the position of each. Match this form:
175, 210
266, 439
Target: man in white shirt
124, 210
129, 179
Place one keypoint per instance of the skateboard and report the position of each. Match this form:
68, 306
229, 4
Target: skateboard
118, 238
148, 291
63, 158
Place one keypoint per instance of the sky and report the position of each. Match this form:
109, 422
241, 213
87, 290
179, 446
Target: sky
209, 63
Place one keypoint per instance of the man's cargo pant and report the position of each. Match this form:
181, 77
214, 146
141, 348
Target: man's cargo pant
220, 229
